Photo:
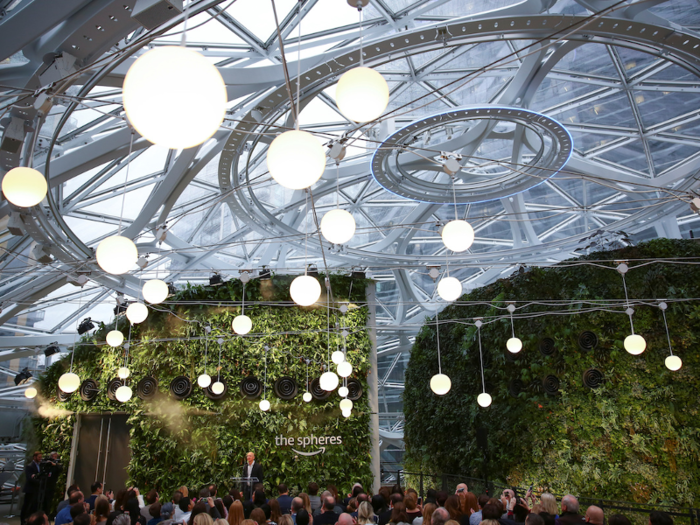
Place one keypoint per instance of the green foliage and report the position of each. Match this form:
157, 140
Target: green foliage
637, 437
200, 440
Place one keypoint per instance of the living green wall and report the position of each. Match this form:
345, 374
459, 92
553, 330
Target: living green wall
635, 438
199, 440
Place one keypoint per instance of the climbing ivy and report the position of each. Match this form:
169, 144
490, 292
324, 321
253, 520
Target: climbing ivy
635, 438
199, 440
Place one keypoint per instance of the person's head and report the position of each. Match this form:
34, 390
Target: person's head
185, 504
395, 498
185, 491
250, 457
167, 511
303, 517
72, 489
285, 519
258, 516
203, 518
489, 522
259, 498
362, 496
220, 521
275, 510
248, 522
328, 503
452, 505
82, 519
660, 518
431, 495
520, 512
235, 513
282, 489
213, 489
102, 507
235, 494
499, 505
53, 456
411, 502
345, 519
267, 510
96, 488
451, 522
152, 497
199, 508
307, 502
297, 505
506, 495
491, 512
333, 490
177, 496
396, 489
77, 510
441, 498
595, 515
204, 492
549, 503
385, 493
76, 497
469, 503
220, 508
378, 503
398, 513
356, 490
534, 519
38, 518
37, 456
462, 487
440, 516
122, 519
482, 500
227, 500
569, 503
550, 519
154, 509
365, 514
618, 519
313, 488
428, 510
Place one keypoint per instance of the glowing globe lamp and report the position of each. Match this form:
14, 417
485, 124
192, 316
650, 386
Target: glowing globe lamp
155, 291
217, 388
346, 413
673, 362
440, 384
449, 288
458, 235
483, 399
30, 393
296, 160
338, 226
69, 382
241, 324
117, 254
343, 391
264, 405
114, 338
362, 94
344, 369
123, 394
306, 397
337, 357
136, 313
329, 381
24, 187
204, 380
346, 404
635, 344
174, 97
123, 373
305, 290
514, 345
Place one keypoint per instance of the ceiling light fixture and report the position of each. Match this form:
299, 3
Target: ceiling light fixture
338, 226
672, 362
483, 399
634, 343
241, 323
457, 235
24, 187
204, 380
440, 383
514, 345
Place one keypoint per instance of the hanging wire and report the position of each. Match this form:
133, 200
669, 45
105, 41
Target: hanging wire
126, 179
481, 357
265, 379
668, 335
437, 331
183, 40
627, 301
218, 368
362, 58
299, 66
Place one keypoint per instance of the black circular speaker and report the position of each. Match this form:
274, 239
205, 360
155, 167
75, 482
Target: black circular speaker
147, 388
61, 395
354, 389
515, 386
286, 388
180, 387
593, 378
210, 393
587, 341
547, 346
251, 387
89, 390
551, 384
317, 392
112, 388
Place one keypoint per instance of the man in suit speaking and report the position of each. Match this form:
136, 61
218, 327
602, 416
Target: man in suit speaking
251, 469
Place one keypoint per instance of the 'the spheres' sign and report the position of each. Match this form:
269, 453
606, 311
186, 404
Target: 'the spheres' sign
308, 441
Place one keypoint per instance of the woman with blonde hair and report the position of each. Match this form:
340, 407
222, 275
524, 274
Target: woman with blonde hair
549, 504
489, 522
285, 519
365, 514
221, 521
203, 518
428, 510
235, 513
307, 503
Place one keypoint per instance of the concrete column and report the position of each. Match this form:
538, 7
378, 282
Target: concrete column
373, 394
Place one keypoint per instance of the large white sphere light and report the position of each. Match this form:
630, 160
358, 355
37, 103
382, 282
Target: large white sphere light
307, 397
204, 380
483, 399
217, 388
117, 254
30, 393
362, 94
69, 382
329, 381
449, 288
123, 373
343, 391
344, 369
673, 362
305, 290
346, 404
514, 345
174, 97
114, 338
264, 405
635, 344
440, 384
458, 235
241, 324
337, 357
136, 313
155, 291
24, 187
123, 394
338, 226
296, 160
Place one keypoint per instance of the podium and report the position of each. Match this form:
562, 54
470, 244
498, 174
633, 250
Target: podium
245, 484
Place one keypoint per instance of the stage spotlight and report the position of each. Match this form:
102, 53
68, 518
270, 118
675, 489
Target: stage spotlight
24, 376
215, 280
85, 326
52, 349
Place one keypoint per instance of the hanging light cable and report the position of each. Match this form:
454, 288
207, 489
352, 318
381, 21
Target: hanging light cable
265, 404
307, 395
204, 380
439, 383
514, 345
338, 226
457, 235
634, 343
70, 382
483, 399
218, 387
124, 393
449, 288
672, 362
115, 337
241, 323
155, 291
305, 289
329, 379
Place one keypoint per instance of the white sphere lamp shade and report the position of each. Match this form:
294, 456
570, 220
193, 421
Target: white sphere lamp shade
296, 160
123, 373
69, 382
155, 291
329, 381
343, 391
635, 344
307, 397
337, 357
458, 235
117, 254
264, 405
440, 384
346, 404
449, 288
137, 313
338, 226
204, 380
30, 393
514, 345
174, 97
305, 290
346, 413
673, 362
242, 324
344, 369
362, 94
24, 187
483, 399
114, 338
123, 394
217, 388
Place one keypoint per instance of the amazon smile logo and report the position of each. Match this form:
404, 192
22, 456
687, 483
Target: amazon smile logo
311, 441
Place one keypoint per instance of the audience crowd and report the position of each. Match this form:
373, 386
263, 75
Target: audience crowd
390, 506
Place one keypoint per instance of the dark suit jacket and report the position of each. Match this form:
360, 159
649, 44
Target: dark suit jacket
30, 485
328, 517
570, 518
385, 517
257, 472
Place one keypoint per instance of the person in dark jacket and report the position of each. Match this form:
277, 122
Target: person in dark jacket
328, 516
31, 487
284, 499
569, 512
